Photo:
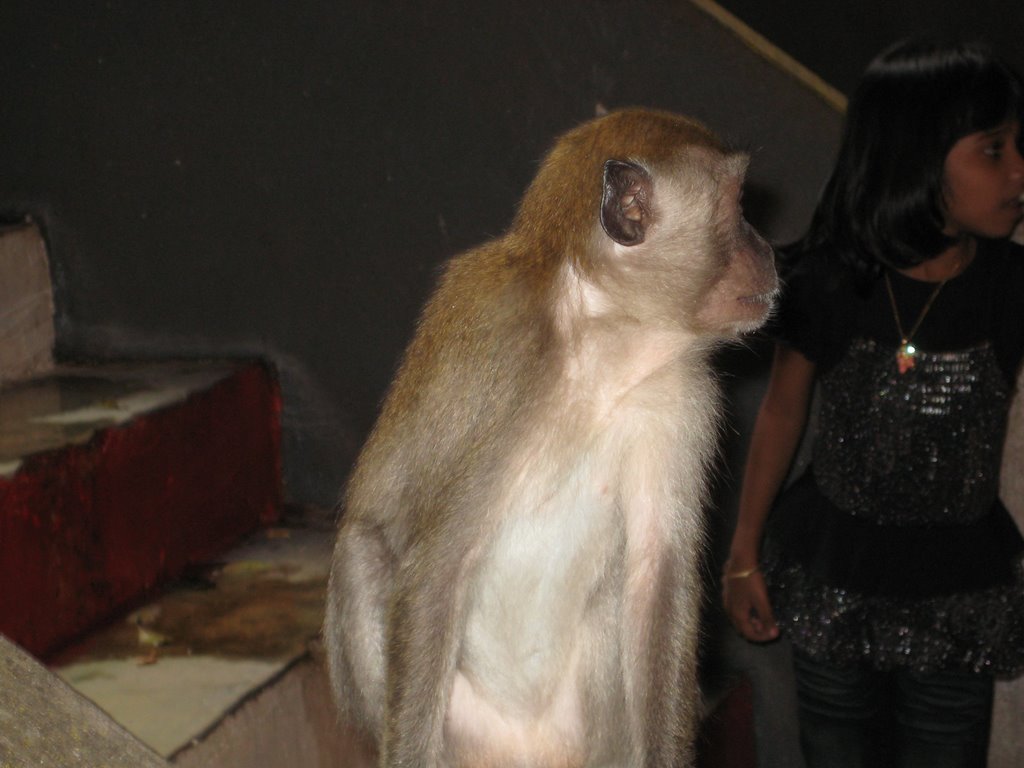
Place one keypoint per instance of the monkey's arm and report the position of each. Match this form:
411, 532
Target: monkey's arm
777, 432
661, 500
426, 619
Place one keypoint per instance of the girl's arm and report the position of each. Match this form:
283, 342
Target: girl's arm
777, 432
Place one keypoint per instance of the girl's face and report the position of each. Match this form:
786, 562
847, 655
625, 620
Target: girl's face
984, 182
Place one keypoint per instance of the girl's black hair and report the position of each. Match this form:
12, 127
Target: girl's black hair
883, 202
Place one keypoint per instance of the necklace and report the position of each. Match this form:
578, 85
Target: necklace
907, 351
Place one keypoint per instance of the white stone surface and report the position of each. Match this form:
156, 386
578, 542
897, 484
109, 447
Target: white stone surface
168, 704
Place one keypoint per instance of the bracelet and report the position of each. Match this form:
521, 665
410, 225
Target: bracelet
741, 574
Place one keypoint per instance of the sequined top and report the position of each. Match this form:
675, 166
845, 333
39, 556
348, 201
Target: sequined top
894, 550
916, 448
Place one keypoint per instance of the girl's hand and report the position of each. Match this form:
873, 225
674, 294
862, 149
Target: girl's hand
746, 603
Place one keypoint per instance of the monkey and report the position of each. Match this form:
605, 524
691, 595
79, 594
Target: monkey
516, 578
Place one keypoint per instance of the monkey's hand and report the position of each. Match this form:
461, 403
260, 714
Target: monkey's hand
746, 602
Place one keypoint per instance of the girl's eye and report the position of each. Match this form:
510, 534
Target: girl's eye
995, 149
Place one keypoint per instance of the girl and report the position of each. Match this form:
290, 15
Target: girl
891, 563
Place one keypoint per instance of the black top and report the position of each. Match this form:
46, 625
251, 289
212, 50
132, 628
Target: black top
898, 522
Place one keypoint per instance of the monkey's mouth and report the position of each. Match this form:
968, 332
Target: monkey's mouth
758, 299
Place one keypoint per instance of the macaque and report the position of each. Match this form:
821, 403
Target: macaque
516, 579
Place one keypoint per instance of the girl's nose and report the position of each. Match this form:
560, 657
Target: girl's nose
1016, 162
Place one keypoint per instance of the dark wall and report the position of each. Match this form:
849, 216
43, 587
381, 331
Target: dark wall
283, 179
836, 40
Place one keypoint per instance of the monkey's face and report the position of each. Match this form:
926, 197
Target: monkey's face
681, 249
743, 291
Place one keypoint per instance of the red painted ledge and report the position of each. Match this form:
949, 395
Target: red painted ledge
129, 475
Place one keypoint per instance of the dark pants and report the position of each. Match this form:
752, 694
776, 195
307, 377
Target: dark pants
857, 718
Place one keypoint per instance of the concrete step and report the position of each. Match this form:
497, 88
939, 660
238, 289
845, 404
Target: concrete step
116, 478
221, 669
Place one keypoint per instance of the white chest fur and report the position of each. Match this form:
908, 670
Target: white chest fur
583, 532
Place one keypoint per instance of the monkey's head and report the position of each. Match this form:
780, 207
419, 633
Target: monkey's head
646, 207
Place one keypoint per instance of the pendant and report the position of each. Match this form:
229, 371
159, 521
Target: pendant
905, 356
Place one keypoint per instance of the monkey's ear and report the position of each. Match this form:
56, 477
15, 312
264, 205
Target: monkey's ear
625, 206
